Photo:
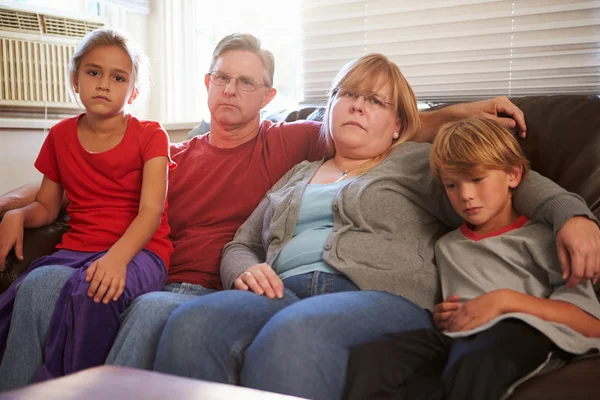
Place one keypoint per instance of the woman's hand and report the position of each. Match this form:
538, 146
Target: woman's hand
107, 277
478, 311
261, 279
578, 245
492, 109
444, 310
11, 235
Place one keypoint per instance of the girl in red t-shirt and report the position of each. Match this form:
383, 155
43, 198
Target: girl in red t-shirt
113, 169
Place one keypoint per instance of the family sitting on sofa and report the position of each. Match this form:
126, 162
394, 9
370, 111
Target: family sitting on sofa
324, 231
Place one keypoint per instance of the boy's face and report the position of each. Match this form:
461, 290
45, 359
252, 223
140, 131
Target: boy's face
482, 197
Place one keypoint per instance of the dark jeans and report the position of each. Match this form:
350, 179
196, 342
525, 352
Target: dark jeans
426, 364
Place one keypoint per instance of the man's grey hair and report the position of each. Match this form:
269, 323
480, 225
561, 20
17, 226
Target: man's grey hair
250, 43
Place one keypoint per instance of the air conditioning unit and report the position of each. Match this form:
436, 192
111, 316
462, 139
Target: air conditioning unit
34, 55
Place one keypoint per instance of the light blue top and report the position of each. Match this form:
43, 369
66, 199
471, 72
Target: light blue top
303, 253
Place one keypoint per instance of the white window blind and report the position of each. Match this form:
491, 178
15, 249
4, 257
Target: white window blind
458, 49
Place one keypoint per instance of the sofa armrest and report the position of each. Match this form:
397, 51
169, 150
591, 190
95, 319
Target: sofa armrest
577, 381
37, 243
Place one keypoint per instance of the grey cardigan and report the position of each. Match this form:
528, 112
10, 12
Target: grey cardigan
386, 223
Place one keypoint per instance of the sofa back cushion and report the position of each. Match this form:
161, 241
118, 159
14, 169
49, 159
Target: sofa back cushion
563, 142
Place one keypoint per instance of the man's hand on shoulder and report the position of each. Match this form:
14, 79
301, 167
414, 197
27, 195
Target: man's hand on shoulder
493, 109
500, 109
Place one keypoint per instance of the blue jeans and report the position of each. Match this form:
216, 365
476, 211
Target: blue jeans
36, 298
297, 345
143, 322
316, 283
32, 313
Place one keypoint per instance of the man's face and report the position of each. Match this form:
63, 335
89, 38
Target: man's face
229, 106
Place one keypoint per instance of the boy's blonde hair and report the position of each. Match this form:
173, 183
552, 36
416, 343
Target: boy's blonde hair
250, 43
362, 74
475, 144
112, 37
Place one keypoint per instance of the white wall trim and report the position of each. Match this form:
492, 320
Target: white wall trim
27, 123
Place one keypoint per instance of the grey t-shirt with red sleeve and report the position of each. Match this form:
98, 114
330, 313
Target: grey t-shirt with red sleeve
521, 257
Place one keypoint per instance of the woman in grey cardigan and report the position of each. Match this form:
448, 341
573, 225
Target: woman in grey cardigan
338, 253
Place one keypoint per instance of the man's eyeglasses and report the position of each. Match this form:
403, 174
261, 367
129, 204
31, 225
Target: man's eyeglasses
373, 101
243, 83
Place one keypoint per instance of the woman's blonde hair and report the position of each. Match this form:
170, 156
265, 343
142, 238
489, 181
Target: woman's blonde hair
112, 37
363, 75
475, 144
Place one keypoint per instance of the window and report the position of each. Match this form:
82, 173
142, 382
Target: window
458, 49
93, 8
192, 30
82, 7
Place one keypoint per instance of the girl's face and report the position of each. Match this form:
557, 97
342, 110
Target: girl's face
363, 124
105, 81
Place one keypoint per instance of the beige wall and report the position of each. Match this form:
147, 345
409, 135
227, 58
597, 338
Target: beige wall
19, 149
178, 135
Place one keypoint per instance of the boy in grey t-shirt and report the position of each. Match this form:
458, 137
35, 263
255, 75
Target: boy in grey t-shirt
512, 309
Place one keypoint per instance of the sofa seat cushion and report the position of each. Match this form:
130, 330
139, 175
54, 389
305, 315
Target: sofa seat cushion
576, 381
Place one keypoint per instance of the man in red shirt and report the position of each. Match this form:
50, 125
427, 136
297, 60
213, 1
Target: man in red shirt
220, 179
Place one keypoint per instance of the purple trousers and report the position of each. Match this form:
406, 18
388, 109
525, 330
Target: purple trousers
82, 332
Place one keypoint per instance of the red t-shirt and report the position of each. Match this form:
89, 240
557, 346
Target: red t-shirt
215, 190
104, 188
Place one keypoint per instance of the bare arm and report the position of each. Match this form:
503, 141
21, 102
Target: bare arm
23, 196
558, 311
38, 213
486, 307
46, 206
107, 274
152, 204
431, 121
19, 197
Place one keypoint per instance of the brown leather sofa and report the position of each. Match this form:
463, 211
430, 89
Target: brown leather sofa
563, 143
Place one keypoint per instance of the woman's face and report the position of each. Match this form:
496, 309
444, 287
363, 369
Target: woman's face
363, 124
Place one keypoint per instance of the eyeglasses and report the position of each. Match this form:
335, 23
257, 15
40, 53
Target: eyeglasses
243, 83
373, 101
